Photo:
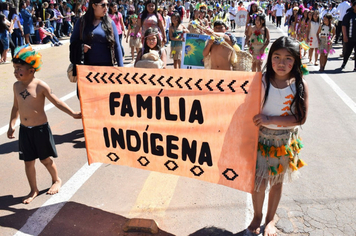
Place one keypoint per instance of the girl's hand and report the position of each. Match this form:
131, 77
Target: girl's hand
260, 119
86, 48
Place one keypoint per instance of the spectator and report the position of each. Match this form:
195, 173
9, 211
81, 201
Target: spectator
53, 16
180, 9
187, 8
232, 13
349, 34
5, 9
59, 23
341, 11
17, 33
4, 37
68, 22
140, 7
279, 8
27, 21
119, 22
47, 36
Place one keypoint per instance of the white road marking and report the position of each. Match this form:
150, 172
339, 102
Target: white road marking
346, 99
39, 220
4, 129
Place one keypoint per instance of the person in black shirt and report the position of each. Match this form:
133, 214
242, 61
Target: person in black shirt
349, 34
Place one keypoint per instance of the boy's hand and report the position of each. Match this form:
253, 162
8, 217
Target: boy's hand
10, 133
77, 115
261, 120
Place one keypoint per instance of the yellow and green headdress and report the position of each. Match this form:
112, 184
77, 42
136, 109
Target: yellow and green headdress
30, 56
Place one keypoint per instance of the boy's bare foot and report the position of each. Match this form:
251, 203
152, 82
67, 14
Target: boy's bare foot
254, 227
270, 229
30, 197
55, 187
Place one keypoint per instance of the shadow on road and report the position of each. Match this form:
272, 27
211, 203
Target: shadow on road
73, 219
9, 147
71, 138
214, 231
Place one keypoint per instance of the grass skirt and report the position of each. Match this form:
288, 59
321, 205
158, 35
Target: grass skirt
277, 156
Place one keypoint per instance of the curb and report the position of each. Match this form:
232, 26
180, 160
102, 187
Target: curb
38, 47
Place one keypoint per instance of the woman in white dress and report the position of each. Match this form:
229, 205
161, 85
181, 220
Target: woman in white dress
313, 28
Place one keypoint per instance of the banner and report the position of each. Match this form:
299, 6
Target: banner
192, 54
192, 123
241, 18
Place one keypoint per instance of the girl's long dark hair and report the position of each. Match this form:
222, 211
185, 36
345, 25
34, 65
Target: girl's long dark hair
112, 4
263, 18
292, 46
330, 18
316, 12
105, 22
145, 12
146, 48
3, 25
305, 17
12, 11
178, 18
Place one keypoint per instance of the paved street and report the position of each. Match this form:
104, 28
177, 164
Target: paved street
99, 199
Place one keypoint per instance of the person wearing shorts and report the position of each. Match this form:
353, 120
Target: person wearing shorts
36, 142
35, 136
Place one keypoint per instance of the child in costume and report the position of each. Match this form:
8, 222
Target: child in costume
312, 37
176, 31
35, 137
326, 35
220, 51
151, 55
284, 109
293, 22
135, 40
302, 29
258, 38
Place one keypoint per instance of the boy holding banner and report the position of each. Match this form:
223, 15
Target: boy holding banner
35, 136
220, 55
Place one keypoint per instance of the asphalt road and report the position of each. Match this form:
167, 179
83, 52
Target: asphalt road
99, 199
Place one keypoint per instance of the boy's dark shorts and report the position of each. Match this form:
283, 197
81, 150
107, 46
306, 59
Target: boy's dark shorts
36, 142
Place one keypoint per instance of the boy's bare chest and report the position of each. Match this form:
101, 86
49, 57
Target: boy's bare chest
27, 95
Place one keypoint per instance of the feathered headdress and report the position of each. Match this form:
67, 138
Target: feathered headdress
28, 55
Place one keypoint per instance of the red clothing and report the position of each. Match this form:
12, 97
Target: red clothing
42, 32
117, 20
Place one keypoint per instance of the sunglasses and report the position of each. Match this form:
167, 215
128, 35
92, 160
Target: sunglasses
102, 4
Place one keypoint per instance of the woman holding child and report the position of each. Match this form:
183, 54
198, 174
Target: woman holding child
151, 19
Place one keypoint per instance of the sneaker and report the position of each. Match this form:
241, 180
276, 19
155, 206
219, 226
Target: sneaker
59, 43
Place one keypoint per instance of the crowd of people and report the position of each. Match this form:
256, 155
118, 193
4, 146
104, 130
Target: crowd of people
96, 39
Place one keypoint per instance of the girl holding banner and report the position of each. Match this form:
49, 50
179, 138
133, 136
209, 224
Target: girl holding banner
285, 108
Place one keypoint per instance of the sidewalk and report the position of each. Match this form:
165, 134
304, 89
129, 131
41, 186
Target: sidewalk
39, 47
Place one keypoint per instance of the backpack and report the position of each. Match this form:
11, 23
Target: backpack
180, 10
